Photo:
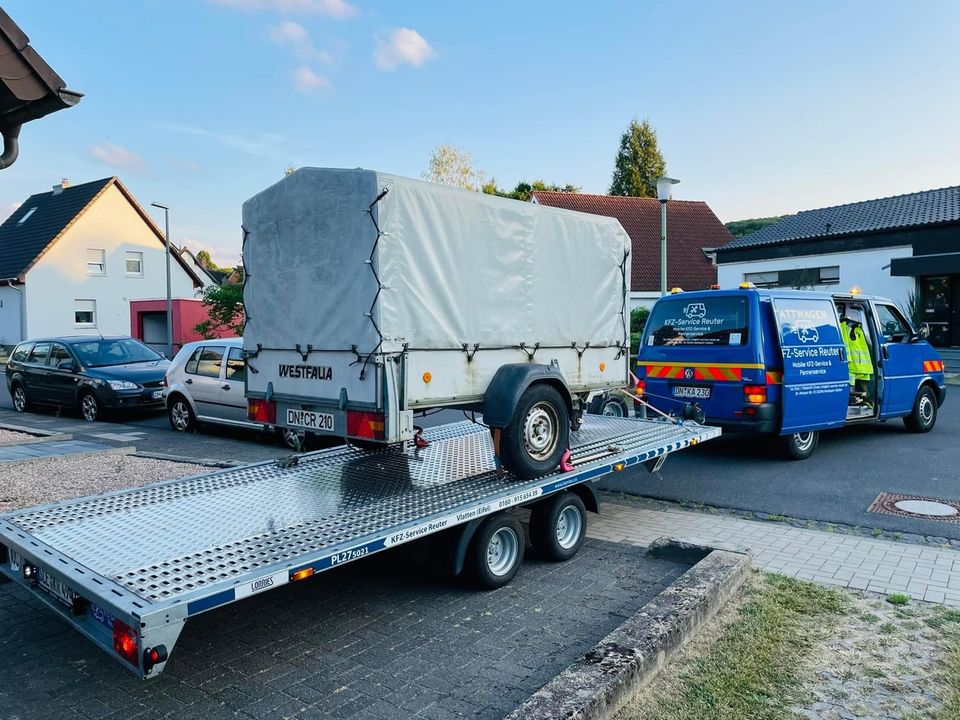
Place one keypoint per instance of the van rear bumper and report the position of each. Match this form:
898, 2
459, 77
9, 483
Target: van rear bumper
765, 422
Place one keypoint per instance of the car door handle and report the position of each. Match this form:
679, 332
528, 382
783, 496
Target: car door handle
188, 381
225, 386
886, 353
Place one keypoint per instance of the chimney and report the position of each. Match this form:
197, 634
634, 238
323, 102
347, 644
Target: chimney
61, 186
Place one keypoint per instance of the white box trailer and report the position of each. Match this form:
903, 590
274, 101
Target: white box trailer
369, 297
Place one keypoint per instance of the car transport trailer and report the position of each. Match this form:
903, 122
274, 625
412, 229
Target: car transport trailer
129, 568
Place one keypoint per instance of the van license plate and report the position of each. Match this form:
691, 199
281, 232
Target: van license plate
310, 420
688, 391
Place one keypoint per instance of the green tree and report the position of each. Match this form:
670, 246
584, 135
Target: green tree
453, 166
203, 257
524, 190
289, 170
740, 228
638, 321
639, 162
224, 304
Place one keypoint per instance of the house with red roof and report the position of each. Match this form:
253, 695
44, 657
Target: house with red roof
693, 233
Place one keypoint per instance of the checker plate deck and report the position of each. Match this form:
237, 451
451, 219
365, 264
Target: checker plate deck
174, 538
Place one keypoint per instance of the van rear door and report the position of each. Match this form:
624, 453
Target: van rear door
816, 382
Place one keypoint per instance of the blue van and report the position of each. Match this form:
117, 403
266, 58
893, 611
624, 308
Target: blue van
787, 362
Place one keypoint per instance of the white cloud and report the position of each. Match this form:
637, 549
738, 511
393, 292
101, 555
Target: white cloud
402, 45
261, 145
295, 37
8, 210
307, 81
117, 156
336, 9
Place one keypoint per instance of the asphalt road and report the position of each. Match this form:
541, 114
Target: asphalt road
836, 484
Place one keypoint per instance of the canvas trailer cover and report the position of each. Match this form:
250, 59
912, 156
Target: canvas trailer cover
349, 268
129, 568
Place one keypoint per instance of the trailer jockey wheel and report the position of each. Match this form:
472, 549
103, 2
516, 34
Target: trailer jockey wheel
496, 552
558, 526
534, 442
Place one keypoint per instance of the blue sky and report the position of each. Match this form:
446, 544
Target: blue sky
761, 107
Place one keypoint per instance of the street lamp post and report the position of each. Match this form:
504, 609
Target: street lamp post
664, 189
166, 218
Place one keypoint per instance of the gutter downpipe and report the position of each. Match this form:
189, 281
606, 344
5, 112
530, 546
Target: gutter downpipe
23, 309
11, 146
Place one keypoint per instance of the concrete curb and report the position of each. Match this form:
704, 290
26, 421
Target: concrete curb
100, 451
597, 684
36, 435
206, 462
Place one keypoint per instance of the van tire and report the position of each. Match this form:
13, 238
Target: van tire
538, 434
924, 414
609, 405
800, 446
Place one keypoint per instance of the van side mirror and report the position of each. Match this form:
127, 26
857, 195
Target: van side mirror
924, 331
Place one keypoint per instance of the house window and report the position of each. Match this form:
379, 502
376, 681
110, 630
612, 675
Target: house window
799, 278
135, 263
85, 313
96, 262
26, 216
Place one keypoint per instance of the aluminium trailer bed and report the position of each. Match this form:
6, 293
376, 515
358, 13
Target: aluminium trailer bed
128, 568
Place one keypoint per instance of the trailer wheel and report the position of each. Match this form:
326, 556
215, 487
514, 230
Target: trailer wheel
496, 552
924, 414
610, 406
800, 446
558, 526
538, 434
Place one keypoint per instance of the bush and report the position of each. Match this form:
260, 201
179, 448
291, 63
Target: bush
638, 320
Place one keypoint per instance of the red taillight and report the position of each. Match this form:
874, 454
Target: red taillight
641, 388
125, 642
755, 393
362, 424
262, 411
750, 410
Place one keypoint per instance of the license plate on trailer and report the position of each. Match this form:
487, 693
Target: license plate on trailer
157, 394
692, 392
310, 420
55, 587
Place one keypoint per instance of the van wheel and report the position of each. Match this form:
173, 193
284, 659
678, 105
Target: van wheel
924, 414
609, 406
800, 446
538, 435
558, 526
496, 551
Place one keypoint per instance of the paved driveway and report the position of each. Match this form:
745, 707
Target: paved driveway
837, 484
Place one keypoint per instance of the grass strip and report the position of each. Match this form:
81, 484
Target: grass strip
755, 668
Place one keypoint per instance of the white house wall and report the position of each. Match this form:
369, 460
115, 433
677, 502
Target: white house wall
867, 269
60, 277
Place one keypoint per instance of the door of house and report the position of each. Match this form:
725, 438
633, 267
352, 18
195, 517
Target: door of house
954, 310
939, 309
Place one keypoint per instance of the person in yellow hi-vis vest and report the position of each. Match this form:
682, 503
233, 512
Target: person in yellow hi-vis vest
858, 358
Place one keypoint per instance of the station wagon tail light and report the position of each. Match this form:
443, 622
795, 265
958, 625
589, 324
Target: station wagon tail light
125, 642
262, 411
361, 424
755, 393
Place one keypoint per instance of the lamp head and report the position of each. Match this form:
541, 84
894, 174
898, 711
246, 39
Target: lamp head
664, 188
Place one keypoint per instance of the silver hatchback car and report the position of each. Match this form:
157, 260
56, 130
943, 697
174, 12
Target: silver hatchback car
205, 384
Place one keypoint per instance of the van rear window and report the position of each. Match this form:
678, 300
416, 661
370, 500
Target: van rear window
704, 321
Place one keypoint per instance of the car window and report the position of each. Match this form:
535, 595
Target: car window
104, 352
59, 354
206, 361
40, 353
893, 325
236, 365
705, 321
21, 352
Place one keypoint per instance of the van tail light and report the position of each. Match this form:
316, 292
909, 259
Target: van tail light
125, 642
755, 393
641, 388
361, 424
262, 411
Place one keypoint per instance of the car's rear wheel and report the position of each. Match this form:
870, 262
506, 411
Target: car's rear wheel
800, 446
181, 415
19, 396
924, 414
90, 408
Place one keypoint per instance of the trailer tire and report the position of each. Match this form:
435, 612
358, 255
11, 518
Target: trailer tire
800, 446
558, 526
496, 552
609, 406
924, 414
538, 434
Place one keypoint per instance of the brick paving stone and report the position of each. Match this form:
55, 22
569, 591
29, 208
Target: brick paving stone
382, 638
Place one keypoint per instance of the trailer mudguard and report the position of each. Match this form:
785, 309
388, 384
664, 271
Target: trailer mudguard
504, 391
